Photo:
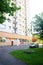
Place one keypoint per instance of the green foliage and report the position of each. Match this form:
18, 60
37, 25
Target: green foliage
6, 6
38, 25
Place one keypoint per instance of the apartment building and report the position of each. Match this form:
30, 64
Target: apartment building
21, 17
18, 23
28, 16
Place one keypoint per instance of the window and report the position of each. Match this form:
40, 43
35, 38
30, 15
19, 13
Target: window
10, 27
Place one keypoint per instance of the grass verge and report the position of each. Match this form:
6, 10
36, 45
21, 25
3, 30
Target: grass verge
35, 58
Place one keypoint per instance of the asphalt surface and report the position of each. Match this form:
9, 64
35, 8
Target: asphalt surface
7, 59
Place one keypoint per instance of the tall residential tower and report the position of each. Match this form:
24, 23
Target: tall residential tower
18, 23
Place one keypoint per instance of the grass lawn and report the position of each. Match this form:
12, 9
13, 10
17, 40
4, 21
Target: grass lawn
35, 58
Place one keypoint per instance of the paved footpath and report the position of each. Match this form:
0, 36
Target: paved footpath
7, 59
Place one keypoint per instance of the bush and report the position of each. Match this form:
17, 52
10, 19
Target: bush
34, 39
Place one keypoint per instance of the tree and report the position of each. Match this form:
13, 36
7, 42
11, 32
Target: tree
7, 7
38, 24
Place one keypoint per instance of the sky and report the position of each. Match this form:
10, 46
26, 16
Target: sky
35, 7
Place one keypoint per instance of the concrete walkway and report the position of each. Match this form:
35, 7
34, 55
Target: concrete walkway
7, 59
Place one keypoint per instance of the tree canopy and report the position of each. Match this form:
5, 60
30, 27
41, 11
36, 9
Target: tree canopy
38, 24
7, 6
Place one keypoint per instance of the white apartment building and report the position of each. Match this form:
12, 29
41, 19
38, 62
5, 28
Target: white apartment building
21, 17
19, 24
28, 17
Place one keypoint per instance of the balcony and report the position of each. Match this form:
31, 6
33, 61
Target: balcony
14, 27
14, 22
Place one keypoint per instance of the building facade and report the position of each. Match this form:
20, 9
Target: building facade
17, 24
21, 17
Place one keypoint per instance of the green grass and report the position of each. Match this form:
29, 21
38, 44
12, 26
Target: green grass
35, 58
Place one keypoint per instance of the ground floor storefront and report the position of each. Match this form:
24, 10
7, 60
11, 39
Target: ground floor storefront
13, 39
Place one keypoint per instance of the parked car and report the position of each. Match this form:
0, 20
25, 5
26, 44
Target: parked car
33, 45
